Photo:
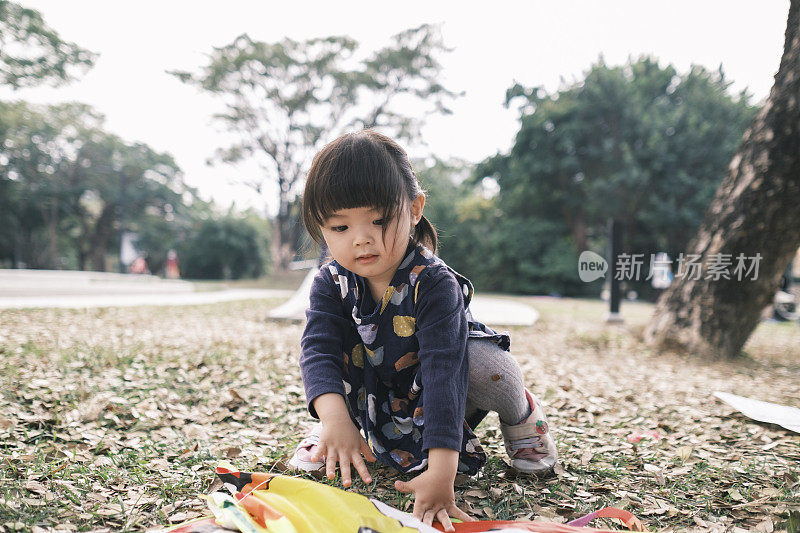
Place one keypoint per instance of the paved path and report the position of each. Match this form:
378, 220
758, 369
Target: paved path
132, 300
492, 311
502, 312
72, 282
20, 289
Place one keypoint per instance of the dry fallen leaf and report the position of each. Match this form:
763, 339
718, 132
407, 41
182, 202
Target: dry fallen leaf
232, 452
765, 526
736, 495
109, 509
684, 452
235, 396
35, 486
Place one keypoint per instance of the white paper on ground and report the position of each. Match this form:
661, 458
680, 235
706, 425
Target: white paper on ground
773, 413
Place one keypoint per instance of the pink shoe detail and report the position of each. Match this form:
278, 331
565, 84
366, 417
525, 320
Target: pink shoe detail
303, 454
529, 443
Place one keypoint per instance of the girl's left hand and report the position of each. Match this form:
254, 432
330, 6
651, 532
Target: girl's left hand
433, 498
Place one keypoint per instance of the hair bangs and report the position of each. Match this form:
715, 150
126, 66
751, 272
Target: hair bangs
362, 169
360, 173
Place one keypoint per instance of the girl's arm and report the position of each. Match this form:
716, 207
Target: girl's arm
340, 441
442, 332
321, 363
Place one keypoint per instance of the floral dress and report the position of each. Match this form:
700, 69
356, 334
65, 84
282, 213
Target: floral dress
400, 363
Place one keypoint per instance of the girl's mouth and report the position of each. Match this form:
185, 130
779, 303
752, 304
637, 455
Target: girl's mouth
365, 260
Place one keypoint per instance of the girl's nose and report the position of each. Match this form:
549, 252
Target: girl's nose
363, 238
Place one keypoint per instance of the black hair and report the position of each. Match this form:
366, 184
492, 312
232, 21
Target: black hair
363, 169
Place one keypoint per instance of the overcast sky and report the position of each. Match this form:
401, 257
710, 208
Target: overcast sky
495, 43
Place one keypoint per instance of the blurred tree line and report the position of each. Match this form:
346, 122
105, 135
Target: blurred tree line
639, 142
285, 100
68, 188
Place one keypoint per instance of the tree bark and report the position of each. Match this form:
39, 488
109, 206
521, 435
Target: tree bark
281, 245
755, 210
98, 238
280, 249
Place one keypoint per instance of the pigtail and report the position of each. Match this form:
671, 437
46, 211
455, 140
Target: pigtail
425, 234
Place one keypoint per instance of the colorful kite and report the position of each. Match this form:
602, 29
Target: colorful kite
273, 503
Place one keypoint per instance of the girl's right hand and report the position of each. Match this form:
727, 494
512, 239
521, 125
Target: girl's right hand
340, 441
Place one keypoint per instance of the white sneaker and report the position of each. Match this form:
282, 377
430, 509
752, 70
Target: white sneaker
301, 459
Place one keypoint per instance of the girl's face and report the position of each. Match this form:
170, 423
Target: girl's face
356, 241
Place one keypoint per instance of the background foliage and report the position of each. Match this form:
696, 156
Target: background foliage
639, 142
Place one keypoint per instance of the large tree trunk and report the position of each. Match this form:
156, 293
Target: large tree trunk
756, 210
281, 245
98, 238
98, 256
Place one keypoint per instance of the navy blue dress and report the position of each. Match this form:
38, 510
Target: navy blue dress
400, 363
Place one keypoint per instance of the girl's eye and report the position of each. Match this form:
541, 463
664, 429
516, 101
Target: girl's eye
378, 222
338, 229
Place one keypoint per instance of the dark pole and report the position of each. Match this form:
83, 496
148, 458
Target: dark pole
789, 275
122, 201
613, 251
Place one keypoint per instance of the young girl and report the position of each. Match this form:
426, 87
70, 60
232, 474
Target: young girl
390, 348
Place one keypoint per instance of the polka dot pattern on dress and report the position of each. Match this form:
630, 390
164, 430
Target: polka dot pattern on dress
404, 325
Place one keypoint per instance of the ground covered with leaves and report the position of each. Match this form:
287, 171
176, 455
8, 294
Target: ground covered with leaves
115, 418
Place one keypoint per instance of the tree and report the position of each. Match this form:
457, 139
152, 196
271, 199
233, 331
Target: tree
230, 247
121, 187
442, 182
639, 142
66, 175
168, 225
285, 100
38, 144
31, 53
754, 211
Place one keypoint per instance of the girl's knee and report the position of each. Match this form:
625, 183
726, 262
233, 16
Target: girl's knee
492, 369
487, 359
480, 350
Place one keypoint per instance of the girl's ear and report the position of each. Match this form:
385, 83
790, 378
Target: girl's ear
416, 208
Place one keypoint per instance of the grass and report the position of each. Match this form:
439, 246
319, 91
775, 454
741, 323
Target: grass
115, 418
